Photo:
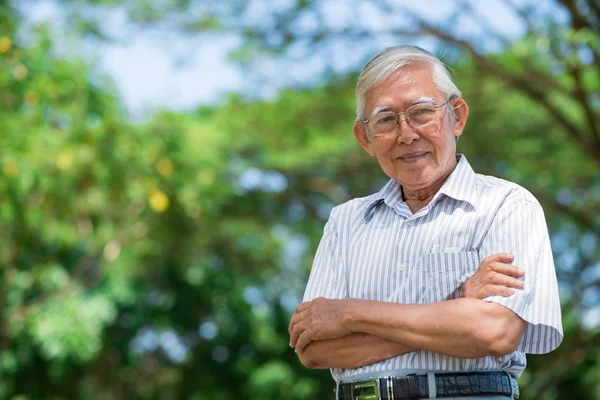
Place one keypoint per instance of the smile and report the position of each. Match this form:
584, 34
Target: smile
412, 157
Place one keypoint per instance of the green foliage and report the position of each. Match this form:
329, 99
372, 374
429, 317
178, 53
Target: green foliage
163, 260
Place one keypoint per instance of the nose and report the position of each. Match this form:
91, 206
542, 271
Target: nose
407, 134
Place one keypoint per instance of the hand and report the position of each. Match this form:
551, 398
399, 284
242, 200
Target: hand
317, 320
494, 277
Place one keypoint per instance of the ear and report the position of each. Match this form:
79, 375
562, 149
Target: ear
361, 137
461, 114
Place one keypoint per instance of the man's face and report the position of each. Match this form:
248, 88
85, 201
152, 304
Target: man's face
415, 158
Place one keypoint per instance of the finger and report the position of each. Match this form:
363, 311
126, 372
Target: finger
293, 322
302, 306
303, 340
507, 269
295, 334
498, 290
504, 280
500, 257
296, 318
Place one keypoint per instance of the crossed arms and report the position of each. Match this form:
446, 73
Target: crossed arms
350, 333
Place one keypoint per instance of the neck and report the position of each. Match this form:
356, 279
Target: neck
420, 197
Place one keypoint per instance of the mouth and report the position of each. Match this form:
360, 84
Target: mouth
412, 157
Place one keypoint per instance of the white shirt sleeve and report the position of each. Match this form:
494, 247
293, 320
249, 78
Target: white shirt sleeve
328, 274
519, 228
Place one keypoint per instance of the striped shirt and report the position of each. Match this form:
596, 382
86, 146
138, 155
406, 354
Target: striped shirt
375, 248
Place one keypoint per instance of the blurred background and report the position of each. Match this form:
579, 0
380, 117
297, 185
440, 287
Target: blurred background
167, 167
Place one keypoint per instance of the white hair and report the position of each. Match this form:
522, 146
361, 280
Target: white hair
386, 62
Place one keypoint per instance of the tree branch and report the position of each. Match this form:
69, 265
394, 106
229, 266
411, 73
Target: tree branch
594, 6
577, 216
537, 33
530, 69
531, 29
482, 21
578, 21
583, 100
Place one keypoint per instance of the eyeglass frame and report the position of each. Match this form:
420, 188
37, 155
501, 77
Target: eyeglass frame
366, 121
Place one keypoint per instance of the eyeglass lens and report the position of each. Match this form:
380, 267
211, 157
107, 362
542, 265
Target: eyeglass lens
418, 116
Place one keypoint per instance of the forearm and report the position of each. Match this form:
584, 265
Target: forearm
352, 351
465, 328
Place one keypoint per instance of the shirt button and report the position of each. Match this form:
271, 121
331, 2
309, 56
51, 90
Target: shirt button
400, 267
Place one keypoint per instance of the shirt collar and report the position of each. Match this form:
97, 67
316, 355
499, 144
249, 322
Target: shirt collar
460, 185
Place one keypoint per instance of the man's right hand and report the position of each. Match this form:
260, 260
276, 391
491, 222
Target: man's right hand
494, 277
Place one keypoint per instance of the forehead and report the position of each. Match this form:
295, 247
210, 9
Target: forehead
402, 87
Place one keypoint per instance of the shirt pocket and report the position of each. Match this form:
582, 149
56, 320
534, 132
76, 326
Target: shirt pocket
444, 274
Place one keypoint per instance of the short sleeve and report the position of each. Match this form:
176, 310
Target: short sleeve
520, 229
327, 276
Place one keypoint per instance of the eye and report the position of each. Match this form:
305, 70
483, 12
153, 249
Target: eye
386, 119
419, 112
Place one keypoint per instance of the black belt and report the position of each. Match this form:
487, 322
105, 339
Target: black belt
417, 386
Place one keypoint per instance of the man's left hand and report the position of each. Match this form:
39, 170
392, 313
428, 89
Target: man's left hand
318, 320
494, 277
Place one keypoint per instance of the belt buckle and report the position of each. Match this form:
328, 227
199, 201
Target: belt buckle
365, 390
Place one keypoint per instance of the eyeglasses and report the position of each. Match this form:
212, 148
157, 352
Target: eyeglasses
418, 116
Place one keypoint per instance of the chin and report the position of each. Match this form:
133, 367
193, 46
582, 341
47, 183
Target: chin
414, 180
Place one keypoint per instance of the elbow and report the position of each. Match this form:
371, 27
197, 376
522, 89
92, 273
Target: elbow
503, 346
504, 338
310, 358
500, 330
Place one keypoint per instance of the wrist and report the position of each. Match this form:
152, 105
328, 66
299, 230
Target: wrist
352, 315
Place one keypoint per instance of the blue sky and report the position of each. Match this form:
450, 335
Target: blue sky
154, 70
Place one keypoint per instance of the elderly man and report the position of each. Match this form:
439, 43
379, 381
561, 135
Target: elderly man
415, 290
